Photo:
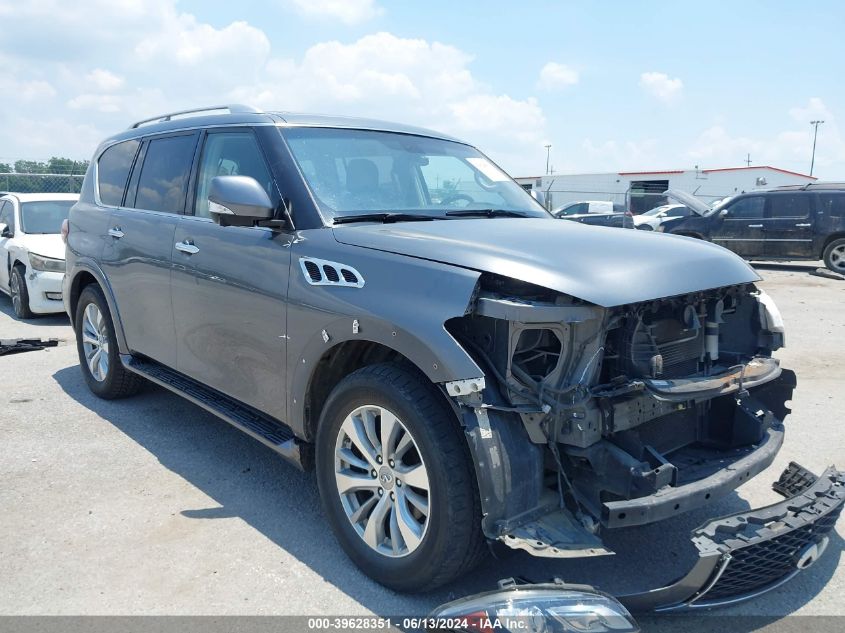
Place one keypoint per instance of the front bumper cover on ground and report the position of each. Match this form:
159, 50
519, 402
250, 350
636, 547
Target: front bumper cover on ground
748, 553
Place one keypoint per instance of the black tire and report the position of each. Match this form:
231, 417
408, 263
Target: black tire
453, 542
117, 382
834, 256
19, 293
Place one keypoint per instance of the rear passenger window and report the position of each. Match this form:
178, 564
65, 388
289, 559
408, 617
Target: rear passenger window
833, 204
163, 183
113, 171
789, 206
230, 154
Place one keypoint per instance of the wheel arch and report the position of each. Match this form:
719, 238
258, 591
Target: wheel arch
85, 274
317, 373
692, 234
829, 239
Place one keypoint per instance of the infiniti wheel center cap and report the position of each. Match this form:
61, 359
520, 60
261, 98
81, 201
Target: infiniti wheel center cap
385, 478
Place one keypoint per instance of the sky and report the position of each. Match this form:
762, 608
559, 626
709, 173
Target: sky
609, 85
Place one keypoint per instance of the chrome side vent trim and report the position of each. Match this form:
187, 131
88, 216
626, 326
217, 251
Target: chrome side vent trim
319, 272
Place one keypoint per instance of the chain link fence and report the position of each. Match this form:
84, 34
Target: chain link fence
40, 183
56, 175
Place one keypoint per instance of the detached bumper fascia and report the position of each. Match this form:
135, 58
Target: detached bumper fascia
749, 553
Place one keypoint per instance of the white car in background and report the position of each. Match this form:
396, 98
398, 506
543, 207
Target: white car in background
652, 220
32, 252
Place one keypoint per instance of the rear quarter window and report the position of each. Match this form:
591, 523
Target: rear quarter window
789, 205
833, 204
113, 171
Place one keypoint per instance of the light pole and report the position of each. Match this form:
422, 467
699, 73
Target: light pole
815, 125
548, 154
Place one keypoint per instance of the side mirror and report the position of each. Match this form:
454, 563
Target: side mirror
4, 230
238, 200
723, 213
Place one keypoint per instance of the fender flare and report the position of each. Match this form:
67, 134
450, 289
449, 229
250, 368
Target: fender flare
451, 363
90, 266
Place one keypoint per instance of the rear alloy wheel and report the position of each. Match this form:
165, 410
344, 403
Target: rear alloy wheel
19, 293
96, 345
95, 342
396, 479
834, 256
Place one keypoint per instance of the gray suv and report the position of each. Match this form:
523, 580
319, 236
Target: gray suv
385, 305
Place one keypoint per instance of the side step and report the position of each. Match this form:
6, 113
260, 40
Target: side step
263, 428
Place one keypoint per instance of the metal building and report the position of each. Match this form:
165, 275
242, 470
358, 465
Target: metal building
642, 190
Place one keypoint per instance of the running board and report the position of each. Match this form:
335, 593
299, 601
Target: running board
265, 429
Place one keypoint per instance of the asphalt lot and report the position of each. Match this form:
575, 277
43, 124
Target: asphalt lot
152, 506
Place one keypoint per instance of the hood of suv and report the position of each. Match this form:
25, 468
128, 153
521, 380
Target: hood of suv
605, 266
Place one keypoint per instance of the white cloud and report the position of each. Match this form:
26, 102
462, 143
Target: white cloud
160, 59
659, 85
554, 75
789, 148
32, 90
412, 80
104, 81
347, 11
611, 154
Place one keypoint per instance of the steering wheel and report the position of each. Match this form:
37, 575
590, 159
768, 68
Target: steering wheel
455, 197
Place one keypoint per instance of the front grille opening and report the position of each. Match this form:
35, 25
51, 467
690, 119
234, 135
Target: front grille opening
313, 271
537, 354
331, 273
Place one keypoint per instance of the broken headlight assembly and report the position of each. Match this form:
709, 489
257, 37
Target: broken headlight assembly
542, 608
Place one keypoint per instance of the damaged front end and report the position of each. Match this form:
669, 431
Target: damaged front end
749, 553
592, 417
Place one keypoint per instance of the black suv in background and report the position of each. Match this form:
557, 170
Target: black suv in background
786, 223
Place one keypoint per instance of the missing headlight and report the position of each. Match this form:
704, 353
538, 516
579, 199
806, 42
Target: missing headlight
537, 353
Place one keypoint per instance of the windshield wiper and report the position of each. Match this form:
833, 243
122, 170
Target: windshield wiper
486, 213
385, 218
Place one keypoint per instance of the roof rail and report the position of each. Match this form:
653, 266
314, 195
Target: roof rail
234, 108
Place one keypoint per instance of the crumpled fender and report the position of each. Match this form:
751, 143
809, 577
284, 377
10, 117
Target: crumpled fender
403, 305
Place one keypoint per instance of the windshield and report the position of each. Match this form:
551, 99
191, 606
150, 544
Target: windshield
353, 172
45, 216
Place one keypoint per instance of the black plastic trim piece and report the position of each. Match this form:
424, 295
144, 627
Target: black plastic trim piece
801, 522
672, 501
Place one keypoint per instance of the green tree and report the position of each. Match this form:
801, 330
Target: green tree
30, 167
66, 166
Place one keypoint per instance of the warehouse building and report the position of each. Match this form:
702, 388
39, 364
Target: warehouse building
643, 190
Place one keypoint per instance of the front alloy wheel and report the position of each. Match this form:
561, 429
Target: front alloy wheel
382, 481
19, 293
396, 479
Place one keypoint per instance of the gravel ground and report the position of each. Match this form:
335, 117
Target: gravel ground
152, 506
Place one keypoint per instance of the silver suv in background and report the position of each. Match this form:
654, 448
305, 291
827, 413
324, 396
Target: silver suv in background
384, 304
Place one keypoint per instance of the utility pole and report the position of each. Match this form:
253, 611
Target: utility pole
548, 154
815, 125
748, 160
